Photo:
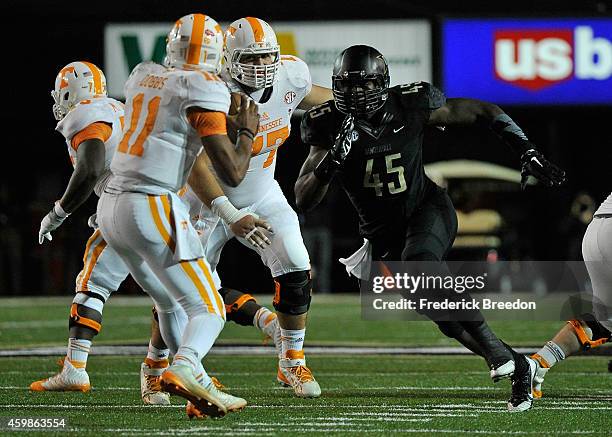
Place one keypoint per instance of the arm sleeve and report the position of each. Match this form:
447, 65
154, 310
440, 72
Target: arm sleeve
317, 127
208, 123
99, 130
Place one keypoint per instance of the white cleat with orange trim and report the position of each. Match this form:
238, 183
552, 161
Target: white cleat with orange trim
69, 379
292, 372
208, 399
150, 377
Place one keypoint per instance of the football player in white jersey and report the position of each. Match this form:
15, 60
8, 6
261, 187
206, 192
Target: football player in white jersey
592, 329
91, 124
170, 113
279, 85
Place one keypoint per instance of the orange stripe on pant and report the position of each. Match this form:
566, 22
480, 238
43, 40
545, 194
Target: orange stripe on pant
159, 224
95, 254
208, 276
186, 265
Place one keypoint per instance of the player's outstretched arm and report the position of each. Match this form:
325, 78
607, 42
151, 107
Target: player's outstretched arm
232, 161
310, 189
470, 111
317, 96
243, 224
89, 166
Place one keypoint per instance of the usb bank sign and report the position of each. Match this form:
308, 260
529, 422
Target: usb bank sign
534, 59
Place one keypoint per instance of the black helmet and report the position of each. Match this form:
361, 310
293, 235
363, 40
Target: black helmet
360, 80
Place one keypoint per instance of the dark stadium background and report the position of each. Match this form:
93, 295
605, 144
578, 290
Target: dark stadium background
40, 37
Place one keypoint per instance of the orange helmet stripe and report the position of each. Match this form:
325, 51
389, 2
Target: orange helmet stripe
258, 31
197, 35
97, 77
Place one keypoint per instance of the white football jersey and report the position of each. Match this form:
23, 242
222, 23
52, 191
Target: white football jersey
99, 109
605, 207
293, 84
159, 146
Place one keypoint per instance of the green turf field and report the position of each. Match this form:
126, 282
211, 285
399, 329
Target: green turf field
362, 394
333, 319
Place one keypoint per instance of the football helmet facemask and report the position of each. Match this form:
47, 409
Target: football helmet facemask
360, 80
247, 42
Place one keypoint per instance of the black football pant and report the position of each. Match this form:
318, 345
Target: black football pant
428, 235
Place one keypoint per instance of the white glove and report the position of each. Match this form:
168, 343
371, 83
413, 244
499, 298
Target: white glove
51, 222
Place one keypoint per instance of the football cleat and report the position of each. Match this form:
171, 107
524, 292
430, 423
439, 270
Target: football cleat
538, 379
505, 370
522, 381
192, 411
292, 372
68, 379
150, 377
209, 400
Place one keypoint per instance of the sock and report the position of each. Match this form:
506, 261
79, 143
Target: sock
292, 340
493, 349
263, 318
549, 355
157, 357
78, 351
200, 334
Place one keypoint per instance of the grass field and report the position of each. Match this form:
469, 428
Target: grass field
362, 394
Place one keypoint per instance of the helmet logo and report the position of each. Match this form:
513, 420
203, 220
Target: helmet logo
65, 70
290, 97
209, 32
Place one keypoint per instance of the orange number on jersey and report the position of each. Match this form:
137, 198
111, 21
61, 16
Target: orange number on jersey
274, 138
137, 148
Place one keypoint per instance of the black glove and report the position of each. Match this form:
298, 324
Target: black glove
534, 164
333, 160
342, 144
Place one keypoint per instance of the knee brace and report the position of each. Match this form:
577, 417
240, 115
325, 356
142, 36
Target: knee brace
599, 334
78, 319
292, 292
239, 307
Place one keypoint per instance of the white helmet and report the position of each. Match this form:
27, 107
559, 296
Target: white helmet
75, 82
251, 36
195, 41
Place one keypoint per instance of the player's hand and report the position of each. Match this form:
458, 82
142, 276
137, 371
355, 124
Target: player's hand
252, 228
342, 144
247, 116
49, 223
534, 164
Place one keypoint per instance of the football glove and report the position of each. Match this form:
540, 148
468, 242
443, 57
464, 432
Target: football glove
534, 164
51, 222
342, 144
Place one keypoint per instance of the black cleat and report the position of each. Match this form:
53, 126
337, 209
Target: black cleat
522, 380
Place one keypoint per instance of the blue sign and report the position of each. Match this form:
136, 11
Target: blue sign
528, 61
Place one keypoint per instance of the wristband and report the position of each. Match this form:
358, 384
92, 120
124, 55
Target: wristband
245, 131
59, 211
327, 168
224, 209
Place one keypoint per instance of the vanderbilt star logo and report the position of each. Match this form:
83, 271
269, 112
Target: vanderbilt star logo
398, 129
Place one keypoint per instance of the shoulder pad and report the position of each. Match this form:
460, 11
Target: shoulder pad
297, 72
318, 126
207, 91
84, 114
420, 95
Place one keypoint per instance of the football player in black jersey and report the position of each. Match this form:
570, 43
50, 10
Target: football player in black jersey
371, 138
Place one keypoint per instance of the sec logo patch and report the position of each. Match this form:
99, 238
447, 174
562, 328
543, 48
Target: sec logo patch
354, 135
290, 97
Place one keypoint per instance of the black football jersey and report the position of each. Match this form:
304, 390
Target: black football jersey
383, 174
